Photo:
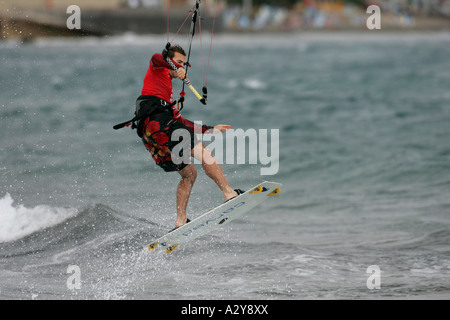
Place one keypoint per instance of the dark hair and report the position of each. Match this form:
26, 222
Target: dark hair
175, 48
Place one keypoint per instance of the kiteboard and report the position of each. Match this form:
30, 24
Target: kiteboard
217, 217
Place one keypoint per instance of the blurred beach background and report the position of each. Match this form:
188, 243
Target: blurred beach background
32, 18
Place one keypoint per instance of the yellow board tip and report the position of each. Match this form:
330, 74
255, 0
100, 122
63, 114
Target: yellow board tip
256, 190
171, 248
274, 192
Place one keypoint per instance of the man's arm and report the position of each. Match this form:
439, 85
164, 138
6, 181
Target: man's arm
158, 61
220, 128
191, 125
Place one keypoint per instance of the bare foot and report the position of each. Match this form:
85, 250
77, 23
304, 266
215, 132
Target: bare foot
181, 221
230, 195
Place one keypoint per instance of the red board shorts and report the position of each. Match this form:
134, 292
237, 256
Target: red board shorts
157, 133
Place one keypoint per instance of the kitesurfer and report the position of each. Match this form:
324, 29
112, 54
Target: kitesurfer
159, 119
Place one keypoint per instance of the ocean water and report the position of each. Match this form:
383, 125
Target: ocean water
363, 155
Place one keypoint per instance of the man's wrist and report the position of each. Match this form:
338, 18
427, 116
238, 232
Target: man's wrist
207, 128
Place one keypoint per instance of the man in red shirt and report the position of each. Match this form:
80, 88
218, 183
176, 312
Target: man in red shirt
160, 118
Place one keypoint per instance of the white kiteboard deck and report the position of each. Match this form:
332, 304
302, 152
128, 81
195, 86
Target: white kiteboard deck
218, 216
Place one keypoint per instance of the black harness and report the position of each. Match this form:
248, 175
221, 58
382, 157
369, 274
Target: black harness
146, 106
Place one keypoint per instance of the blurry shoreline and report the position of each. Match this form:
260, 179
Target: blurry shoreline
26, 21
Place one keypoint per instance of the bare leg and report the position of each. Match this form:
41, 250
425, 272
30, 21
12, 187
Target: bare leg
188, 176
213, 169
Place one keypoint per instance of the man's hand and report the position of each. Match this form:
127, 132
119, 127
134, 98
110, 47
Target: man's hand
221, 128
181, 73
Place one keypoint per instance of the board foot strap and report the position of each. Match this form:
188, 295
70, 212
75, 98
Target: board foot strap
256, 190
274, 192
171, 248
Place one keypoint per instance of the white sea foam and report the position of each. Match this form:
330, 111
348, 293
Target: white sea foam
17, 221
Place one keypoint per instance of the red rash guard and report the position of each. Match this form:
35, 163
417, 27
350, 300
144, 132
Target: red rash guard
158, 83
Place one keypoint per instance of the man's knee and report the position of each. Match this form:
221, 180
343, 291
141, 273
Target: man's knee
189, 173
203, 154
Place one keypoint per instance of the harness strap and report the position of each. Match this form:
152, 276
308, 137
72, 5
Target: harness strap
145, 107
